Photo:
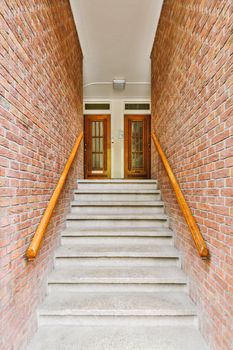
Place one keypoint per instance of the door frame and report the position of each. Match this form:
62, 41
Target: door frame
107, 175
147, 147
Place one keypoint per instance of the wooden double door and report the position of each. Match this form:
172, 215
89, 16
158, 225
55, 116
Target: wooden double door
137, 147
97, 130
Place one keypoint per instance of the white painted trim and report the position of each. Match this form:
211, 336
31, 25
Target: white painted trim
137, 112
110, 83
137, 100
97, 112
97, 100
133, 98
125, 99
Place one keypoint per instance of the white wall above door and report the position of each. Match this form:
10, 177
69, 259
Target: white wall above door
116, 38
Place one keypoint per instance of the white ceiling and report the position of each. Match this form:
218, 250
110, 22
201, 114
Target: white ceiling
116, 37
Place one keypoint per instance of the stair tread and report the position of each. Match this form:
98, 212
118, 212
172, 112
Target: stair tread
115, 231
117, 338
117, 191
155, 216
123, 181
119, 274
110, 250
117, 203
117, 303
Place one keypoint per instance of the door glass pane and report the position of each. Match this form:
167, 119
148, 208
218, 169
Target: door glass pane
133, 165
97, 129
136, 166
101, 129
133, 129
97, 145
101, 161
137, 145
93, 160
97, 160
101, 145
141, 138
140, 160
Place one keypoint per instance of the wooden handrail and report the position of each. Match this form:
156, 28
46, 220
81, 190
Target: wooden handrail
197, 236
34, 247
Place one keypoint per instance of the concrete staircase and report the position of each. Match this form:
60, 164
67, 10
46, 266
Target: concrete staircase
117, 282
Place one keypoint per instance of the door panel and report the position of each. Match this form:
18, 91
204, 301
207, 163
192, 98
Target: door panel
97, 146
137, 146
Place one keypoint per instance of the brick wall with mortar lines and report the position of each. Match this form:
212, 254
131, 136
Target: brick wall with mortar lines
192, 114
40, 118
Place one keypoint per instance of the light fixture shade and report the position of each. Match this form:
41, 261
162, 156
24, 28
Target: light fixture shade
119, 84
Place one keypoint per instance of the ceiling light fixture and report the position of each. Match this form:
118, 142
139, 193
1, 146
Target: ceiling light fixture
119, 84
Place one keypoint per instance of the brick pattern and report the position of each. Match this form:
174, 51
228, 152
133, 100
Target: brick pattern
40, 118
192, 114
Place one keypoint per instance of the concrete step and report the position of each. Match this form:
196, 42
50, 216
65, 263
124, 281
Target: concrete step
117, 236
121, 240
117, 195
122, 231
105, 221
117, 278
117, 338
166, 308
117, 207
117, 184
105, 255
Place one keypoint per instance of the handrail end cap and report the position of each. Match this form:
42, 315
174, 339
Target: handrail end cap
31, 254
204, 253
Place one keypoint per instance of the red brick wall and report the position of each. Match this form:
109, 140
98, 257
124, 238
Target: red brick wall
192, 114
40, 118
